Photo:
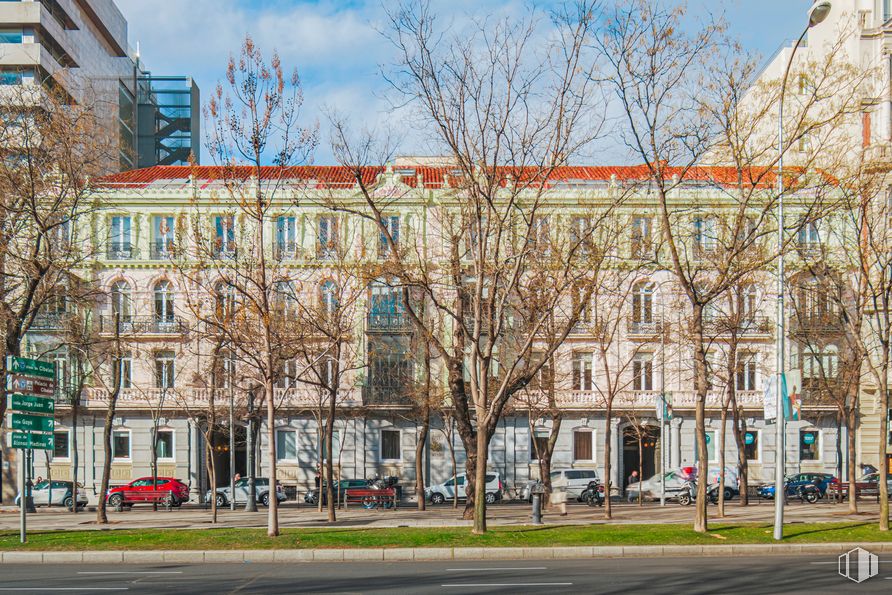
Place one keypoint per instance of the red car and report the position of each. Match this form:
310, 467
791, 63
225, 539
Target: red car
164, 490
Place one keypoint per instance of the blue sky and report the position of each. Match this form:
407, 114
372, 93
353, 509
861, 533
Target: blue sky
335, 46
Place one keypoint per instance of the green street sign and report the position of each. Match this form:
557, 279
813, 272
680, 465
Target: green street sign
28, 440
31, 404
32, 423
31, 367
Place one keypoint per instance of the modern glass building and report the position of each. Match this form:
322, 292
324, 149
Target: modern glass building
168, 120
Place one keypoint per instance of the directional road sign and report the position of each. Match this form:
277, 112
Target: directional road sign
31, 386
32, 423
29, 440
31, 404
31, 367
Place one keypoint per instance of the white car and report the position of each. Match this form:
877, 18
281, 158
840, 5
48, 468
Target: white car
675, 478
437, 494
261, 491
55, 493
572, 481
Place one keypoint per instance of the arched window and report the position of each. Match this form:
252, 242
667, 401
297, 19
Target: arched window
224, 301
643, 303
748, 299
164, 301
122, 305
329, 295
285, 298
385, 305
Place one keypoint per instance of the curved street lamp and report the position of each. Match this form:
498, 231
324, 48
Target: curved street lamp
816, 15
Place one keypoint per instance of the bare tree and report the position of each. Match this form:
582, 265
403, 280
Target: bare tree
508, 108
52, 153
254, 119
679, 89
326, 348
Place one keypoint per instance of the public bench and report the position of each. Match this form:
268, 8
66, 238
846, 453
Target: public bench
372, 497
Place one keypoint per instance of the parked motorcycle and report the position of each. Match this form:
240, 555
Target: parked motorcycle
688, 493
808, 492
593, 494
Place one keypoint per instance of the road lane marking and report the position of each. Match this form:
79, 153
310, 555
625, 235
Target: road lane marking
507, 585
130, 572
42, 589
482, 569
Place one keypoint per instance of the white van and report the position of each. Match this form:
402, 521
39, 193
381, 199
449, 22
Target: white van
437, 494
572, 481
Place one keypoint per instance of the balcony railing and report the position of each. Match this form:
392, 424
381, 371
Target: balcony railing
645, 327
284, 250
750, 325
386, 395
121, 252
162, 250
817, 323
50, 322
143, 325
809, 249
388, 322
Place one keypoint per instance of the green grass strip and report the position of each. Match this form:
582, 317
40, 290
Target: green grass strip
415, 537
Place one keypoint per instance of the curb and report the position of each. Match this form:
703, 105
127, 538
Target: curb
428, 554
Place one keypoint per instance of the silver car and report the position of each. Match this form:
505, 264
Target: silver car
55, 493
261, 490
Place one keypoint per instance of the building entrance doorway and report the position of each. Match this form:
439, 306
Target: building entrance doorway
222, 454
645, 438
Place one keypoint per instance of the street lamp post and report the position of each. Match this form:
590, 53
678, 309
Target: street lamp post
251, 504
816, 14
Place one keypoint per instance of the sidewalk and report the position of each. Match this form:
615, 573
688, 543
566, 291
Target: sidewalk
429, 554
142, 517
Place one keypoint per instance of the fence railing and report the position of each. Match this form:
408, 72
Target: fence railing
143, 325
388, 322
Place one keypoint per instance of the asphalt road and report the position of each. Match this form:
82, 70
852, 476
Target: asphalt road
774, 574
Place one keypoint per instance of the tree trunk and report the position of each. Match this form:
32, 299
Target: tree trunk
101, 516
479, 504
454, 467
212, 474
546, 457
852, 470
419, 457
700, 520
739, 421
640, 465
469, 440
74, 457
329, 450
883, 462
724, 425
608, 451
273, 519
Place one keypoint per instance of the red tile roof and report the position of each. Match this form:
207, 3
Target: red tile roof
171, 176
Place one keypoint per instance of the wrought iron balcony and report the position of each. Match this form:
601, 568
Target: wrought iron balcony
645, 327
285, 250
121, 252
388, 322
386, 395
817, 323
143, 325
162, 250
50, 321
748, 325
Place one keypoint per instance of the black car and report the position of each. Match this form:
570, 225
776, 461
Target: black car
312, 495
